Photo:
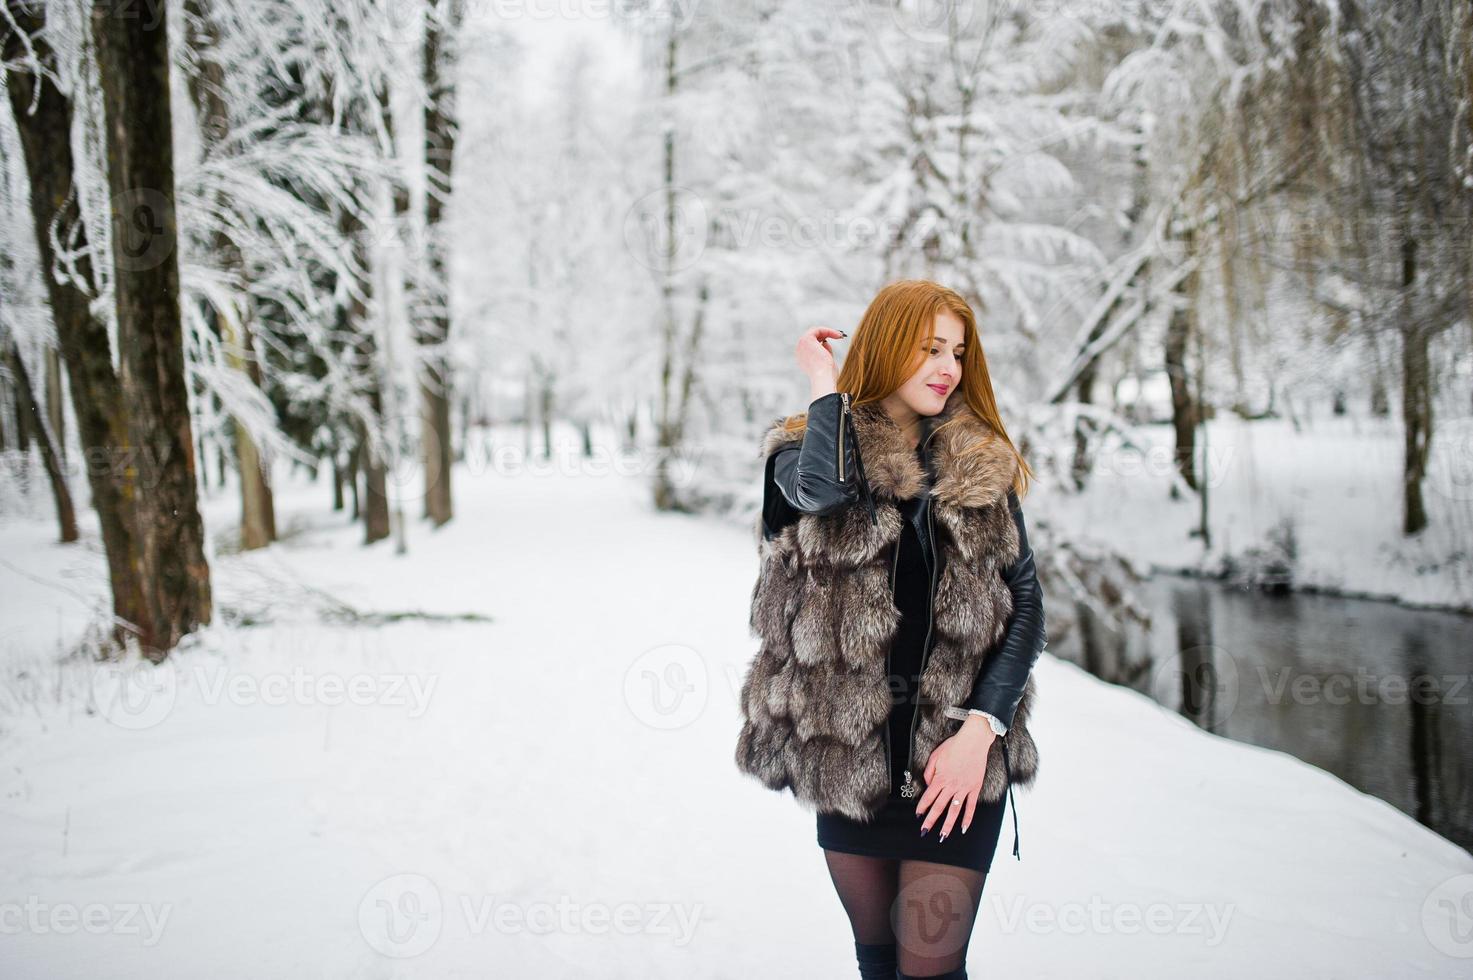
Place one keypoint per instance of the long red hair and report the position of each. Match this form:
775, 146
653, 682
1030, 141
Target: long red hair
887, 349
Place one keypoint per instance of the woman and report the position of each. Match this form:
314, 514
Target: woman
901, 616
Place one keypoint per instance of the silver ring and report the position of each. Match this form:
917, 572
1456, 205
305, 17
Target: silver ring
956, 802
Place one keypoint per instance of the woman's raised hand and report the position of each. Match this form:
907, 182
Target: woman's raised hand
816, 360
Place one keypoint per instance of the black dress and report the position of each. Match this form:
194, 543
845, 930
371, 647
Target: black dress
895, 830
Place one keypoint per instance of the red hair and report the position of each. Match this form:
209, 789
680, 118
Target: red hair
889, 345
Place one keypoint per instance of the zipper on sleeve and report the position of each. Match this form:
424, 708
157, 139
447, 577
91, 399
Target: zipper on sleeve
843, 424
846, 421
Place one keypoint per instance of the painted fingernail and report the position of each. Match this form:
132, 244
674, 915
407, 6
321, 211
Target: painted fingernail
923, 831
941, 839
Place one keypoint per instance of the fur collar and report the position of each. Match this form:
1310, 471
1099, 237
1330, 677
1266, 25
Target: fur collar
974, 467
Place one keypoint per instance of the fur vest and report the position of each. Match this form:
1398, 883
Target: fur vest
816, 698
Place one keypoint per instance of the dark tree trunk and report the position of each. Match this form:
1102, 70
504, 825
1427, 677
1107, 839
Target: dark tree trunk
66, 514
665, 442
382, 514
18, 413
354, 455
376, 525
133, 68
442, 23
97, 400
545, 403
1183, 408
1416, 394
53, 401
373, 505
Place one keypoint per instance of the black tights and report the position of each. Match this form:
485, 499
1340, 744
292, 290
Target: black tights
914, 917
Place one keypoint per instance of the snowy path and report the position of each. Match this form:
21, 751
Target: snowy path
551, 794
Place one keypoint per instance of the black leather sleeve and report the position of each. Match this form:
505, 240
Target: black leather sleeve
1000, 683
804, 478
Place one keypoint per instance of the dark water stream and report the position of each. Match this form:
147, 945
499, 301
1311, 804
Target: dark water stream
1372, 692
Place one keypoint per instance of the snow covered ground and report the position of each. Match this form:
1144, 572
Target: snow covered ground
1337, 481
550, 793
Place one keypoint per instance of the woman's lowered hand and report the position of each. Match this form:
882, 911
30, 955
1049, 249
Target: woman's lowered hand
955, 771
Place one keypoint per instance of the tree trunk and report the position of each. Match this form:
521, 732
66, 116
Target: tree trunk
396, 299
53, 396
207, 86
1416, 395
1083, 462
18, 412
442, 23
664, 442
66, 514
544, 410
97, 400
376, 524
1178, 332
354, 455
133, 67
373, 505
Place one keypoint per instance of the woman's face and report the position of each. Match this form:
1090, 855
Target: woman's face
940, 372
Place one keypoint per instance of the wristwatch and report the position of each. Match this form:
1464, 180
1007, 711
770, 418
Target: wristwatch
961, 714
